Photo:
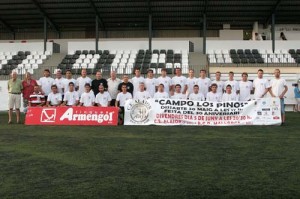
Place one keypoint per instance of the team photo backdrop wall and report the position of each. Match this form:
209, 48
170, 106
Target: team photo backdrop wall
264, 111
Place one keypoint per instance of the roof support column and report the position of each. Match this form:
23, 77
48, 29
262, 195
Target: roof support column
45, 34
150, 32
204, 33
97, 33
273, 32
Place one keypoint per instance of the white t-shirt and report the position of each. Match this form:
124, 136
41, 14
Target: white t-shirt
278, 86
113, 87
141, 95
214, 97
54, 99
136, 83
204, 85
87, 98
71, 97
46, 83
103, 98
150, 85
178, 96
166, 81
122, 98
230, 97
220, 86
245, 90
191, 82
80, 82
161, 95
234, 85
196, 97
66, 82
59, 84
179, 80
260, 86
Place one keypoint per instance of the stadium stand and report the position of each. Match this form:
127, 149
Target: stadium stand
124, 61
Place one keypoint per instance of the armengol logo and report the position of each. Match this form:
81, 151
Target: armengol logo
87, 116
48, 115
139, 111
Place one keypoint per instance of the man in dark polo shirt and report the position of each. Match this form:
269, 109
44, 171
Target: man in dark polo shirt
14, 87
128, 84
97, 82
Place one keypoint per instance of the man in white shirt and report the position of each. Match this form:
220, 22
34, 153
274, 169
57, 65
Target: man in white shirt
233, 83
245, 88
54, 97
122, 97
136, 80
150, 82
196, 95
179, 79
260, 85
178, 94
103, 98
45, 83
58, 81
219, 82
213, 95
191, 81
67, 80
81, 81
203, 83
229, 95
142, 94
161, 92
113, 83
165, 80
87, 98
278, 89
71, 97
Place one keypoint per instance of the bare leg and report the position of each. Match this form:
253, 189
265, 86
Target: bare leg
9, 115
283, 118
18, 115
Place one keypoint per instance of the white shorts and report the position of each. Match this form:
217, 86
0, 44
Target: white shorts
298, 101
14, 100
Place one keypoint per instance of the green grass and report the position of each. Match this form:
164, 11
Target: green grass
150, 162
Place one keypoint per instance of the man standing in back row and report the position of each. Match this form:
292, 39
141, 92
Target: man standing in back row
278, 89
260, 85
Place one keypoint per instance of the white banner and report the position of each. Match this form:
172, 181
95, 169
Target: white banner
265, 111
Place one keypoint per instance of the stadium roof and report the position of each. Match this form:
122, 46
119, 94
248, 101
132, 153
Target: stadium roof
28, 15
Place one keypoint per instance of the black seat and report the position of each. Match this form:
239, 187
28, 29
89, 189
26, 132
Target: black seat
78, 52
21, 53
92, 52
256, 56
106, 52
260, 60
247, 51
233, 56
241, 56
236, 60
232, 51
161, 65
170, 52
85, 52
244, 61
141, 52
99, 52
292, 51
76, 56
298, 51
240, 51
153, 65
155, 51
148, 56
162, 51
255, 51
27, 53
249, 56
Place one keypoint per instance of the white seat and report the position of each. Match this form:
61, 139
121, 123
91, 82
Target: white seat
161, 60
33, 53
228, 60
177, 51
125, 56
43, 57
79, 61
114, 65
7, 53
127, 51
96, 56
220, 60
284, 51
47, 53
83, 65
276, 60
123, 60
82, 56
20, 65
34, 66
269, 51
25, 61
94, 61
89, 56
133, 56
36, 56
219, 56
185, 71
225, 52
213, 60
119, 52
133, 52
29, 57
262, 51
269, 60
76, 65
154, 60
184, 56
119, 56
162, 56
40, 52
2, 57
113, 52
91, 65
177, 65
27, 66
131, 60
169, 65
39, 61
185, 66
122, 65
8, 57
218, 51
155, 56
32, 61
86, 61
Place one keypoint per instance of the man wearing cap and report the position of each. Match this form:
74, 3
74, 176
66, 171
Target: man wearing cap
14, 87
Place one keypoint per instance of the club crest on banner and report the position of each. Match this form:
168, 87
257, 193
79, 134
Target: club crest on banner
139, 111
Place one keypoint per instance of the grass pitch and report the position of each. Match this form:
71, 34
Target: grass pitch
150, 162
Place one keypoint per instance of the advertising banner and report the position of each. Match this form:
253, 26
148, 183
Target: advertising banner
72, 116
265, 111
